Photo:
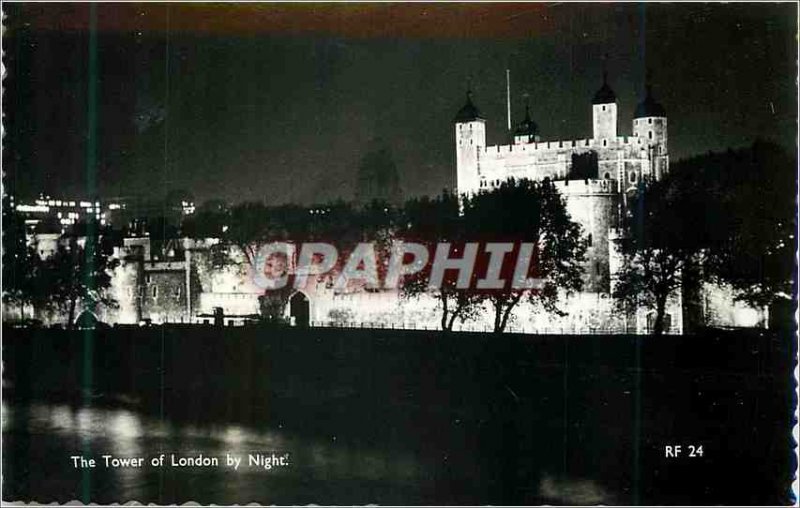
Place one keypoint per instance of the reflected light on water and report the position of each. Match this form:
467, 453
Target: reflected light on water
125, 425
234, 435
573, 491
5, 417
61, 419
126, 438
122, 433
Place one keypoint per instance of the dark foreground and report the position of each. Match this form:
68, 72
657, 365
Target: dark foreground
398, 417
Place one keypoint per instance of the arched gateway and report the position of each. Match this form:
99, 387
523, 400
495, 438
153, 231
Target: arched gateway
299, 309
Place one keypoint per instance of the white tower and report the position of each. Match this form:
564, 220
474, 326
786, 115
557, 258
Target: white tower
470, 130
604, 113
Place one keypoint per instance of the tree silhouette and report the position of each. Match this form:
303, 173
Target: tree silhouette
662, 243
530, 212
720, 217
755, 246
429, 222
80, 272
21, 263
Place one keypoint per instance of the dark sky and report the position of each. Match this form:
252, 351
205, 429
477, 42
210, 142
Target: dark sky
281, 102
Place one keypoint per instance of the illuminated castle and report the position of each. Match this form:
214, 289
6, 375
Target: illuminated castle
595, 174
186, 282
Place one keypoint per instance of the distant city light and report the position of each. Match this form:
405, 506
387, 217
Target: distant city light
38, 208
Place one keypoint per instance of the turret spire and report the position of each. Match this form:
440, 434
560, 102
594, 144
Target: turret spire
468, 112
527, 127
527, 105
649, 107
605, 95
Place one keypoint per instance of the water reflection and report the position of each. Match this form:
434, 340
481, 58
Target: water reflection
576, 492
320, 469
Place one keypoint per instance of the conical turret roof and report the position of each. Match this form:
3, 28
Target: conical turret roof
468, 112
649, 107
527, 127
605, 94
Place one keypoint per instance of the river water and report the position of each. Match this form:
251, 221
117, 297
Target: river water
366, 420
39, 440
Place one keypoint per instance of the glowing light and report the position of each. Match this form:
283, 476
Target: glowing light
33, 208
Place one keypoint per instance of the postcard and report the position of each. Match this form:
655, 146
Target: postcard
399, 254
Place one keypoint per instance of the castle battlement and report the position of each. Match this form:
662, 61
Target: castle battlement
540, 146
569, 144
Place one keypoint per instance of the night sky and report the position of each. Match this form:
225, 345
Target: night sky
282, 102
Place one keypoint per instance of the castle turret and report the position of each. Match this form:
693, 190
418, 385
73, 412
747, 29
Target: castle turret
604, 113
527, 131
470, 132
650, 124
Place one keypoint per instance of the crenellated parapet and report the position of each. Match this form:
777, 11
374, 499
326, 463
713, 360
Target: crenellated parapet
606, 155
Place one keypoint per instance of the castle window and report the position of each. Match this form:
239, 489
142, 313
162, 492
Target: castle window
649, 120
633, 176
650, 134
178, 292
604, 108
590, 239
607, 176
605, 142
155, 291
147, 279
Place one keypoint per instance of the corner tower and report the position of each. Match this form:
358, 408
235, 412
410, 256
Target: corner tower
470, 130
604, 112
650, 124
